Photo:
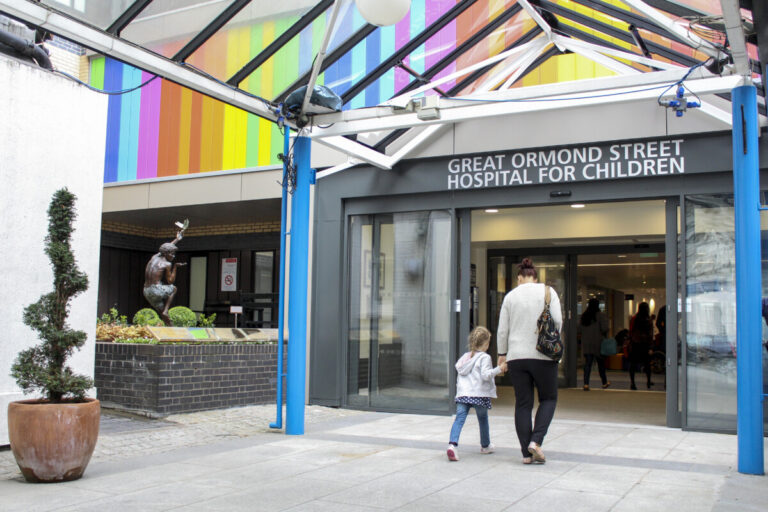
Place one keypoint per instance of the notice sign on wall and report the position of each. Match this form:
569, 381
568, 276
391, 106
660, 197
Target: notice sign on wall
229, 274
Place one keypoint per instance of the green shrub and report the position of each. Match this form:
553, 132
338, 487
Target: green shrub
204, 321
142, 341
43, 367
147, 316
113, 318
182, 317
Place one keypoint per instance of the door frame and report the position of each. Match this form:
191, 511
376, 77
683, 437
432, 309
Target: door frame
675, 265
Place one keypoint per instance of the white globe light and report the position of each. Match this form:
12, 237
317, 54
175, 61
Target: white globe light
383, 12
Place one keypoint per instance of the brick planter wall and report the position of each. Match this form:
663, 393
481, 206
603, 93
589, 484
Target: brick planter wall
158, 380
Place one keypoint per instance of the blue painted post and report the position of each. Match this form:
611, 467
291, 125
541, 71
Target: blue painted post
749, 360
278, 423
297, 291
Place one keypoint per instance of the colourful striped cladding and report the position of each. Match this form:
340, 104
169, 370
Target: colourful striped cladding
164, 129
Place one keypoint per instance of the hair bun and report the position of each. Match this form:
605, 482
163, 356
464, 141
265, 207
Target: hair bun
526, 263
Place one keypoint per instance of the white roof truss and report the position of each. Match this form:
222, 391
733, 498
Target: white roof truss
531, 99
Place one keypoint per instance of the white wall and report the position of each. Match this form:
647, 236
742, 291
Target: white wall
52, 135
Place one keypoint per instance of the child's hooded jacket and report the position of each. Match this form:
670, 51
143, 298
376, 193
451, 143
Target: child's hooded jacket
476, 375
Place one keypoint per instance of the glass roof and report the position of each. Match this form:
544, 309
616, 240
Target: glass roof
267, 48
233, 48
95, 12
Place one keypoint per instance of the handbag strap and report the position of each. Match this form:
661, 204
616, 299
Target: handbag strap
546, 297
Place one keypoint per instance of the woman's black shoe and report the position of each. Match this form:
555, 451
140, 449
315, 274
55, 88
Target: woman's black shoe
633, 387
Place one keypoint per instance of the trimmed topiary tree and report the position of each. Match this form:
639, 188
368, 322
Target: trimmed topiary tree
147, 316
182, 317
43, 367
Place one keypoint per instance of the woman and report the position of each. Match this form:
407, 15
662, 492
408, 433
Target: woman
516, 338
593, 328
640, 340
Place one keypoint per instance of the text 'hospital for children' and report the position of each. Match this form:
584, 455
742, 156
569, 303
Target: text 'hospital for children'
638, 159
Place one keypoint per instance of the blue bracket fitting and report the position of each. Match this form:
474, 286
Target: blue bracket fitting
680, 104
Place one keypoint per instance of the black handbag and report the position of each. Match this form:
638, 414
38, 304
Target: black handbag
549, 342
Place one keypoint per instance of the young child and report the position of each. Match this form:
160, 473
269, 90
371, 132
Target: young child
475, 387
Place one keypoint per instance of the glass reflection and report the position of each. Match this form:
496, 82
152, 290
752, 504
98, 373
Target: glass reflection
710, 312
95, 12
399, 311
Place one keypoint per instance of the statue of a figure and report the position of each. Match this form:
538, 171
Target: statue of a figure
160, 275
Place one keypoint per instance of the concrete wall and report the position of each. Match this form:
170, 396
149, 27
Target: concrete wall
219, 187
52, 135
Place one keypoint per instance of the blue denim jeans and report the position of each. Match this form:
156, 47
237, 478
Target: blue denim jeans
482, 420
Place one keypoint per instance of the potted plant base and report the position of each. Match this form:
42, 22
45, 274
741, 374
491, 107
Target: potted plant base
53, 442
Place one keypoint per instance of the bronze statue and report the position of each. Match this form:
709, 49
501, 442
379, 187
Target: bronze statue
158, 293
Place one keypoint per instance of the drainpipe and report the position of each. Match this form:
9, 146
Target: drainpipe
23, 48
297, 290
746, 206
278, 423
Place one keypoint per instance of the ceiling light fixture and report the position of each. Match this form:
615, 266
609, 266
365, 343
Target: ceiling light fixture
381, 13
491, 210
577, 205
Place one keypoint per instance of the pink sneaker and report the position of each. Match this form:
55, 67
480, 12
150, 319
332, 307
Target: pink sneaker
453, 453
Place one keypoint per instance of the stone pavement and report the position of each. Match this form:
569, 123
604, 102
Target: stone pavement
358, 461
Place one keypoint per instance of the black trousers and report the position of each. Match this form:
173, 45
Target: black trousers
588, 358
635, 364
525, 374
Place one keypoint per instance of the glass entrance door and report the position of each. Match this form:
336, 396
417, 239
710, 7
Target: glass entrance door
400, 319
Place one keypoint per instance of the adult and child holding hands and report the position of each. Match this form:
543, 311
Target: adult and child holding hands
517, 338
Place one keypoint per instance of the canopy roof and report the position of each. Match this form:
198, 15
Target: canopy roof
456, 51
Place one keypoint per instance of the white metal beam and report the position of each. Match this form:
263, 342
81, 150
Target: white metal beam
534, 14
536, 91
632, 57
514, 63
102, 42
735, 31
523, 65
320, 56
431, 131
403, 99
337, 168
669, 25
358, 151
623, 69
428, 133
523, 100
599, 58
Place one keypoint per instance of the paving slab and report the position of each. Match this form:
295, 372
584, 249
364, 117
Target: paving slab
353, 461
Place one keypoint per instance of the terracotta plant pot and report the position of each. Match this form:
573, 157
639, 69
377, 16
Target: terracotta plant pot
53, 442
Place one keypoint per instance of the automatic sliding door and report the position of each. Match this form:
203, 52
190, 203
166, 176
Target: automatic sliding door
400, 311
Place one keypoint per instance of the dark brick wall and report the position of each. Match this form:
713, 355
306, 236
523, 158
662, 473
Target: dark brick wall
164, 379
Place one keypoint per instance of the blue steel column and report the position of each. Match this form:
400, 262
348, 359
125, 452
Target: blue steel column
297, 291
278, 423
749, 360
